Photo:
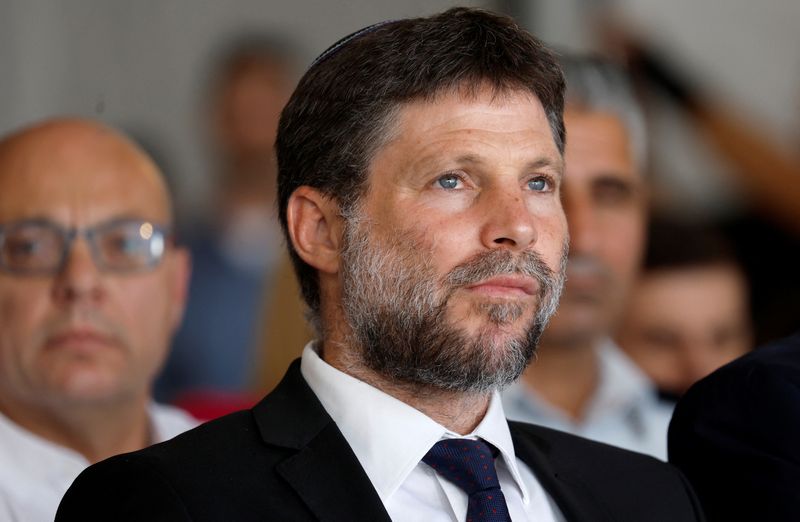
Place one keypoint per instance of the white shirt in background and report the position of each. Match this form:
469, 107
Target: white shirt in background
35, 473
625, 410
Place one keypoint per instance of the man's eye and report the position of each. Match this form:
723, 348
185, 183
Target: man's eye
19, 248
122, 244
612, 192
539, 184
23, 249
449, 182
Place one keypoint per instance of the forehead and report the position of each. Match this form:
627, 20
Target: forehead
598, 140
78, 178
457, 122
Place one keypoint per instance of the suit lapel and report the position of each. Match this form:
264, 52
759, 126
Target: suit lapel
573, 498
324, 471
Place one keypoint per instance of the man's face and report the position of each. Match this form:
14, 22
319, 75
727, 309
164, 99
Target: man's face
248, 110
605, 206
452, 263
83, 335
683, 324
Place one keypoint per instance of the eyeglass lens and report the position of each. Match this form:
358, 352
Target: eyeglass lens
32, 247
41, 247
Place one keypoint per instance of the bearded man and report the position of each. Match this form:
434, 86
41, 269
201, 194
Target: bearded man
420, 163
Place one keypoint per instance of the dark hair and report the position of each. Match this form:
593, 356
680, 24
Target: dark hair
338, 116
676, 245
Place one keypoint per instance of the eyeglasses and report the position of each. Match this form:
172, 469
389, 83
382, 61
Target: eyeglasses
41, 247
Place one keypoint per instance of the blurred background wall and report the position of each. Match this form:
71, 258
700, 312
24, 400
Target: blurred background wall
144, 66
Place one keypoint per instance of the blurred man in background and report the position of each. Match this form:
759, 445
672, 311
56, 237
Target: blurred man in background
91, 290
581, 382
688, 312
237, 252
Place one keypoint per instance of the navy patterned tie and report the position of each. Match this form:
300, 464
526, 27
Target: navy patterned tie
469, 464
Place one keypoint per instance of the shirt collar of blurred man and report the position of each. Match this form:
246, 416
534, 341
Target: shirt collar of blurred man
91, 290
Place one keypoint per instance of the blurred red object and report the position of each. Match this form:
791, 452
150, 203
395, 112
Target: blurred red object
206, 405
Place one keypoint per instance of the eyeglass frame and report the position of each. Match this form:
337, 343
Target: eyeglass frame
69, 235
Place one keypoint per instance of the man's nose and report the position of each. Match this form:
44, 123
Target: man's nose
509, 222
79, 278
582, 223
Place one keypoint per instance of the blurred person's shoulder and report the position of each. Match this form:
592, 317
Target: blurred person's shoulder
749, 394
734, 435
780, 355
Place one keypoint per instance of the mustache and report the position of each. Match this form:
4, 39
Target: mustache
500, 262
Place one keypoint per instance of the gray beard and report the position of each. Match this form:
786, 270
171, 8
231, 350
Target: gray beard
396, 308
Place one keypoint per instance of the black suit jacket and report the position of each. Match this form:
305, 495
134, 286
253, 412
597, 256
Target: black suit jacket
736, 436
286, 460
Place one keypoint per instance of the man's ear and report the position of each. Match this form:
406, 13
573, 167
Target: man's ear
315, 228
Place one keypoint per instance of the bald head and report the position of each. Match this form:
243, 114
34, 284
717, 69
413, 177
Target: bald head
77, 160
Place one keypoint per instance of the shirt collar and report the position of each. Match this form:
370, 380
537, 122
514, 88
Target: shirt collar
388, 436
621, 384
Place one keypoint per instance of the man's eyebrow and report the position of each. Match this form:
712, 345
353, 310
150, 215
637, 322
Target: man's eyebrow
613, 178
545, 161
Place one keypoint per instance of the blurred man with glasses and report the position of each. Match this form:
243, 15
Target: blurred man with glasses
91, 291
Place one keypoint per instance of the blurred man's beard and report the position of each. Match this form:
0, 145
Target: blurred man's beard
396, 306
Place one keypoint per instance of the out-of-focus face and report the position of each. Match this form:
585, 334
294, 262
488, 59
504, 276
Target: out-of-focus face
604, 200
683, 324
249, 108
83, 335
463, 200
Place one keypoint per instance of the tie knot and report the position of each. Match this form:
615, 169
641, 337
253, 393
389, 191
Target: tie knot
469, 464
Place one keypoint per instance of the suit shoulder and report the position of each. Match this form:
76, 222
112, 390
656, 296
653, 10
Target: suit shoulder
618, 480
229, 431
768, 375
779, 358
112, 490
221, 457
734, 434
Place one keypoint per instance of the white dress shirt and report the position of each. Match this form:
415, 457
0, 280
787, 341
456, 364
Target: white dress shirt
389, 438
35, 473
625, 410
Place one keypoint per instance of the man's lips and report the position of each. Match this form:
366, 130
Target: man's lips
506, 286
83, 338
